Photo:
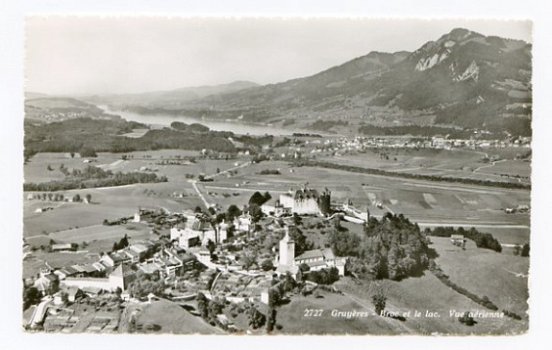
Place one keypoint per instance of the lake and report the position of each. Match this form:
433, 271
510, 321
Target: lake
217, 125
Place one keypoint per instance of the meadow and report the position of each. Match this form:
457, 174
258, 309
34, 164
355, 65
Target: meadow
501, 277
457, 163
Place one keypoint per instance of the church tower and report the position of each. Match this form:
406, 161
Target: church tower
287, 250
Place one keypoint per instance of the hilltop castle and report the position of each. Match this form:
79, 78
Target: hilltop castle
306, 201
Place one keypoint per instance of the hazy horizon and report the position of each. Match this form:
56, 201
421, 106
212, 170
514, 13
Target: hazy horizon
115, 55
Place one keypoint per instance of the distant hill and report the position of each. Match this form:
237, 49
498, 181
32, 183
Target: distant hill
171, 98
463, 79
49, 109
32, 94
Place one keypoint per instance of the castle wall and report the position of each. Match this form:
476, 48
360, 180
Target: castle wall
306, 206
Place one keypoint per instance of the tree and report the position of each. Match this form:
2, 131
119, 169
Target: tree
31, 296
123, 243
255, 212
232, 212
274, 297
267, 265
220, 217
247, 261
89, 198
88, 152
49, 167
379, 299
344, 243
202, 305
198, 209
215, 308
467, 319
297, 219
301, 243
256, 318
258, 199
271, 319
525, 250
77, 198
211, 246
304, 267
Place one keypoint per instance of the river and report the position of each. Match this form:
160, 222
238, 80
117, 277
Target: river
217, 125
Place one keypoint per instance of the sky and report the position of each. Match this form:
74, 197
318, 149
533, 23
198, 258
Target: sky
101, 55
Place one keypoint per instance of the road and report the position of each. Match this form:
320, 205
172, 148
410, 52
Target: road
40, 312
470, 224
201, 196
211, 176
228, 170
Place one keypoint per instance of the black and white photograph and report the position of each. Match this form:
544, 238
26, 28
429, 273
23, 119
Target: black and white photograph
284, 175
276, 176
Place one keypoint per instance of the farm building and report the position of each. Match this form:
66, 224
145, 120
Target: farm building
458, 240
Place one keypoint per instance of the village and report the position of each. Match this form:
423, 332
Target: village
236, 259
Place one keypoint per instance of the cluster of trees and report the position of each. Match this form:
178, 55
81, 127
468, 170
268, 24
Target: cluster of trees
326, 125
482, 240
209, 309
174, 139
144, 284
259, 199
267, 265
522, 250
324, 276
194, 127
392, 248
92, 177
55, 197
123, 243
31, 296
301, 242
355, 169
270, 172
256, 318
277, 292
78, 135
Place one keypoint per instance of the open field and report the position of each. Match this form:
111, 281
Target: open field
510, 167
36, 168
427, 293
451, 163
108, 203
430, 203
96, 232
292, 317
502, 277
421, 294
173, 319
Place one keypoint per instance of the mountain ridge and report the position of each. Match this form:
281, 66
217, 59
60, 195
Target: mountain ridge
462, 79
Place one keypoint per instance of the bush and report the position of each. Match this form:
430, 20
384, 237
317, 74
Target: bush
467, 319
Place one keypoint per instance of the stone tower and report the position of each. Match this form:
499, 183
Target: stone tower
287, 250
